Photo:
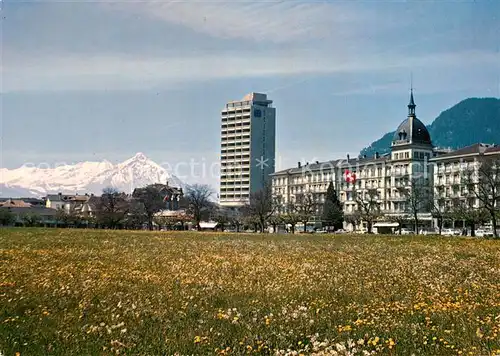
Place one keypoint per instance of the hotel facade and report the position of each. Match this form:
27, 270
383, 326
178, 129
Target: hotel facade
248, 131
412, 163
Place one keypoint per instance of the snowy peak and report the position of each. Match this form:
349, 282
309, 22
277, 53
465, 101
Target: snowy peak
86, 177
139, 157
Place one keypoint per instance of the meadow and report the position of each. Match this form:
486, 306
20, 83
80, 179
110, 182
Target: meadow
86, 292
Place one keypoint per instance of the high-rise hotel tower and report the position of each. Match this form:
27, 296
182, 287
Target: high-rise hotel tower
248, 133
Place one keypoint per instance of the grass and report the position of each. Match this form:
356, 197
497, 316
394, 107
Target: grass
89, 292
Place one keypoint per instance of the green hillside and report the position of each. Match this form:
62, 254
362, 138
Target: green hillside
470, 121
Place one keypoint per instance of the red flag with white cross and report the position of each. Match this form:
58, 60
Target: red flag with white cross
350, 177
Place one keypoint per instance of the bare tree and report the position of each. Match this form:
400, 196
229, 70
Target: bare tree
111, 208
305, 205
291, 218
353, 218
237, 219
198, 200
368, 208
275, 221
417, 199
262, 206
466, 211
439, 212
485, 186
222, 217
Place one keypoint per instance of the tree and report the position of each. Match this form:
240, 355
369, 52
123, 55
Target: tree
111, 208
306, 206
222, 218
135, 217
67, 216
368, 208
237, 219
262, 206
485, 186
275, 221
400, 219
353, 218
439, 212
198, 200
6, 217
291, 218
472, 216
417, 199
151, 201
31, 219
333, 212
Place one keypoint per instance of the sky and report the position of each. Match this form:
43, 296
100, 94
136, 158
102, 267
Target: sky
94, 80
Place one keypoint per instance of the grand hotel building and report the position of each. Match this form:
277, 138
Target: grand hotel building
412, 155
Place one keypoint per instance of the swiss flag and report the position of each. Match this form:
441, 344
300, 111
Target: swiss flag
349, 176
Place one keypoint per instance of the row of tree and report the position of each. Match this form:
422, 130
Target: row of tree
265, 210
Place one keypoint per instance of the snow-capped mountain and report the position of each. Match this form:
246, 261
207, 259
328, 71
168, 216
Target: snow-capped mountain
85, 177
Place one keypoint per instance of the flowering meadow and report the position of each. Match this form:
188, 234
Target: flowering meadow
86, 292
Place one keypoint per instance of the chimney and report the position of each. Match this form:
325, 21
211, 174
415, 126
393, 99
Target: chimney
348, 157
317, 162
364, 156
299, 165
377, 155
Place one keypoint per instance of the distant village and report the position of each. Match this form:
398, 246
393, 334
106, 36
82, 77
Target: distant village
157, 206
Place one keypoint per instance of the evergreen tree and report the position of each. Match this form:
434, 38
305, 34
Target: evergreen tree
6, 217
333, 213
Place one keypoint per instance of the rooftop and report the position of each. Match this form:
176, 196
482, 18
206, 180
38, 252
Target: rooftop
475, 149
339, 163
251, 98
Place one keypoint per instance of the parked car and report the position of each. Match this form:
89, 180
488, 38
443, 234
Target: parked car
340, 231
448, 232
480, 233
405, 231
488, 233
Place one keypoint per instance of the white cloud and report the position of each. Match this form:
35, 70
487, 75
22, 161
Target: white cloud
273, 21
123, 72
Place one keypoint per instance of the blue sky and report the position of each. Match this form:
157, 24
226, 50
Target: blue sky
92, 80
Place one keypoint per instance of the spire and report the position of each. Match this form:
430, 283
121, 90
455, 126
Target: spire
411, 105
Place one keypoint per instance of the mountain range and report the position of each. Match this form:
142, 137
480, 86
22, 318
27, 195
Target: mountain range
84, 177
470, 121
